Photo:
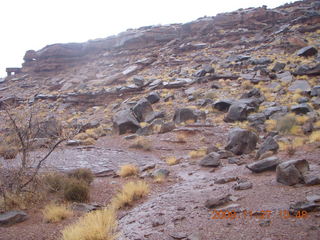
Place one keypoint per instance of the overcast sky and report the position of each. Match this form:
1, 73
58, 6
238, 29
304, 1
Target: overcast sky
33, 24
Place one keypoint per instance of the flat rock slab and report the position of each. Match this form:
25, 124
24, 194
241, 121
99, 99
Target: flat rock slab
263, 165
216, 202
12, 217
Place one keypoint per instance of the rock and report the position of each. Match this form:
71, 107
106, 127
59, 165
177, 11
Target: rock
237, 112
204, 102
175, 84
307, 51
154, 115
200, 73
105, 173
89, 125
84, 207
242, 185
131, 136
241, 141
311, 179
257, 118
12, 217
143, 110
308, 70
218, 201
124, 121
194, 236
261, 61
278, 67
158, 222
224, 180
131, 69
153, 97
303, 206
265, 223
302, 85
73, 142
255, 92
270, 111
285, 77
211, 160
183, 115
161, 173
315, 91
313, 198
178, 235
223, 105
268, 145
225, 154
234, 160
302, 108
291, 172
138, 80
263, 165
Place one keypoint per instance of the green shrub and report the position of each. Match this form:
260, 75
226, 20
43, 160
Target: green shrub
84, 174
76, 190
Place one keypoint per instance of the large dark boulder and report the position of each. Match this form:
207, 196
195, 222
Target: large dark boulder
292, 172
142, 110
302, 108
153, 97
184, 114
241, 141
223, 105
124, 122
315, 91
12, 217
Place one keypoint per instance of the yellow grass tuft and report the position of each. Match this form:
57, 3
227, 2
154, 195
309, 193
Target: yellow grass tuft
128, 170
181, 137
198, 153
96, 225
271, 124
143, 124
159, 179
172, 161
142, 143
315, 136
130, 192
56, 213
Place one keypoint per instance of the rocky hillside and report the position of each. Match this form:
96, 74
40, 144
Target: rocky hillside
214, 105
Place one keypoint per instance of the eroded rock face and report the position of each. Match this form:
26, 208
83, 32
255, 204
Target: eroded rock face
241, 141
291, 172
142, 110
263, 165
268, 145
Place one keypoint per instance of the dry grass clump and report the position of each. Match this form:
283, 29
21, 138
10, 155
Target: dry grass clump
130, 192
54, 181
159, 179
198, 153
84, 174
285, 123
88, 141
21, 200
76, 190
128, 170
55, 213
172, 161
95, 133
96, 225
142, 143
315, 136
181, 137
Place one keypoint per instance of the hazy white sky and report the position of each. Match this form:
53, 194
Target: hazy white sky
33, 24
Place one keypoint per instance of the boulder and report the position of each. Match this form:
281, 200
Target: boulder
308, 70
153, 97
183, 115
161, 173
278, 67
223, 105
303, 206
302, 108
237, 112
241, 141
257, 118
291, 172
142, 110
315, 91
268, 145
124, 121
12, 217
307, 51
211, 160
263, 165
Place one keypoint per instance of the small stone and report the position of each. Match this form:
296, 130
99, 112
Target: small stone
216, 202
263, 165
211, 160
12, 217
265, 223
242, 185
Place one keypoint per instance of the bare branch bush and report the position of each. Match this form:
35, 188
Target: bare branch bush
23, 131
